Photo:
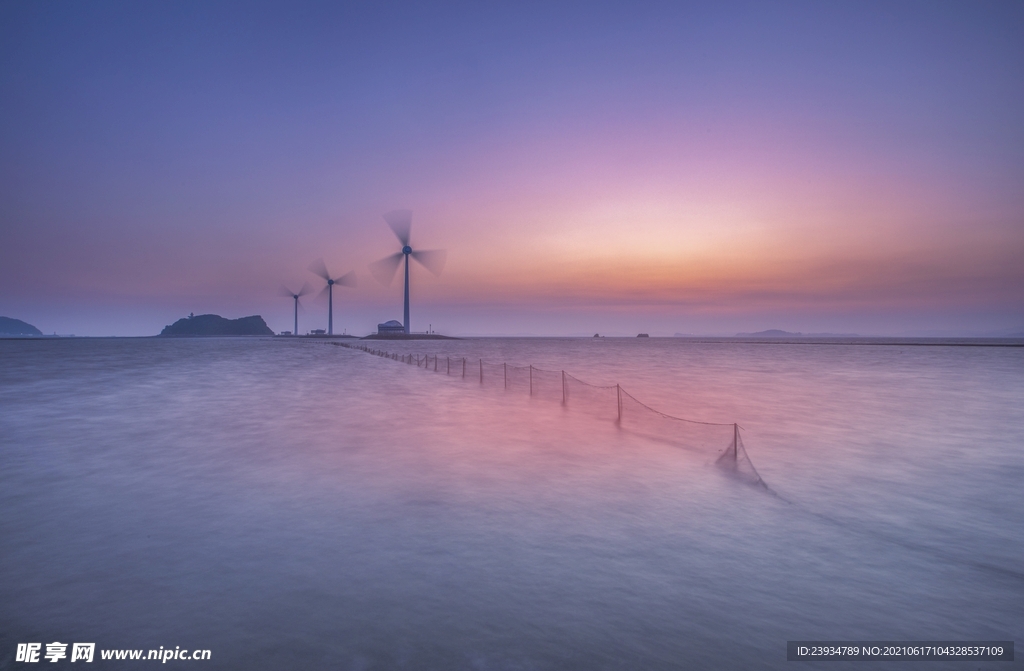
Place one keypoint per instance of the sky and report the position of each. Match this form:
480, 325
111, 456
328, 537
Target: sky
704, 168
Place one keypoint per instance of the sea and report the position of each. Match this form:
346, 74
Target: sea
300, 503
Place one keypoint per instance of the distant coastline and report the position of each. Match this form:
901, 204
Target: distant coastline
777, 333
408, 336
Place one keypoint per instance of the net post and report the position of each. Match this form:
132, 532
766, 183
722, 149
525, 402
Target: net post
618, 398
463, 367
504, 368
481, 371
735, 442
448, 360
563, 387
435, 363
531, 379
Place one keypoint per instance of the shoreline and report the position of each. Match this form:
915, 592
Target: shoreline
871, 341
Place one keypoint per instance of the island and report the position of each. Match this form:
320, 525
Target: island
215, 325
778, 333
15, 327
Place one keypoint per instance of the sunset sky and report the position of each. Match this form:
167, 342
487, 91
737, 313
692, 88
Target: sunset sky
666, 168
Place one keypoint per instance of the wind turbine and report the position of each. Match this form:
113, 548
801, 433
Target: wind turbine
384, 270
285, 291
318, 267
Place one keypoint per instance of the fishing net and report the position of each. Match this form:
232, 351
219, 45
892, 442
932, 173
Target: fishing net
608, 402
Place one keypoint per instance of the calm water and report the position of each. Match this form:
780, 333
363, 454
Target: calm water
291, 504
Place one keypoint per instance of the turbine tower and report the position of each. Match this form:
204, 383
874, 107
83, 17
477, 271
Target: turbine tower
384, 270
318, 267
296, 295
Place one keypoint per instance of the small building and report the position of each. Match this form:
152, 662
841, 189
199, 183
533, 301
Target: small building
390, 328
318, 332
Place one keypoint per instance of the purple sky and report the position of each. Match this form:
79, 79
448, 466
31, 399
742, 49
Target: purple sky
702, 169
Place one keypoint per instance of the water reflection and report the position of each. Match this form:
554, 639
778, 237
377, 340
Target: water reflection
294, 504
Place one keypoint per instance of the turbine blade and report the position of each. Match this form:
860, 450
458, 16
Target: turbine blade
431, 259
385, 269
349, 279
285, 291
400, 222
323, 292
318, 267
305, 289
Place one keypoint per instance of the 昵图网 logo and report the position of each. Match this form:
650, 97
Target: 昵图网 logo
84, 652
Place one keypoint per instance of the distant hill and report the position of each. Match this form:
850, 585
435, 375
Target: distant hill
770, 333
215, 325
10, 326
777, 333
